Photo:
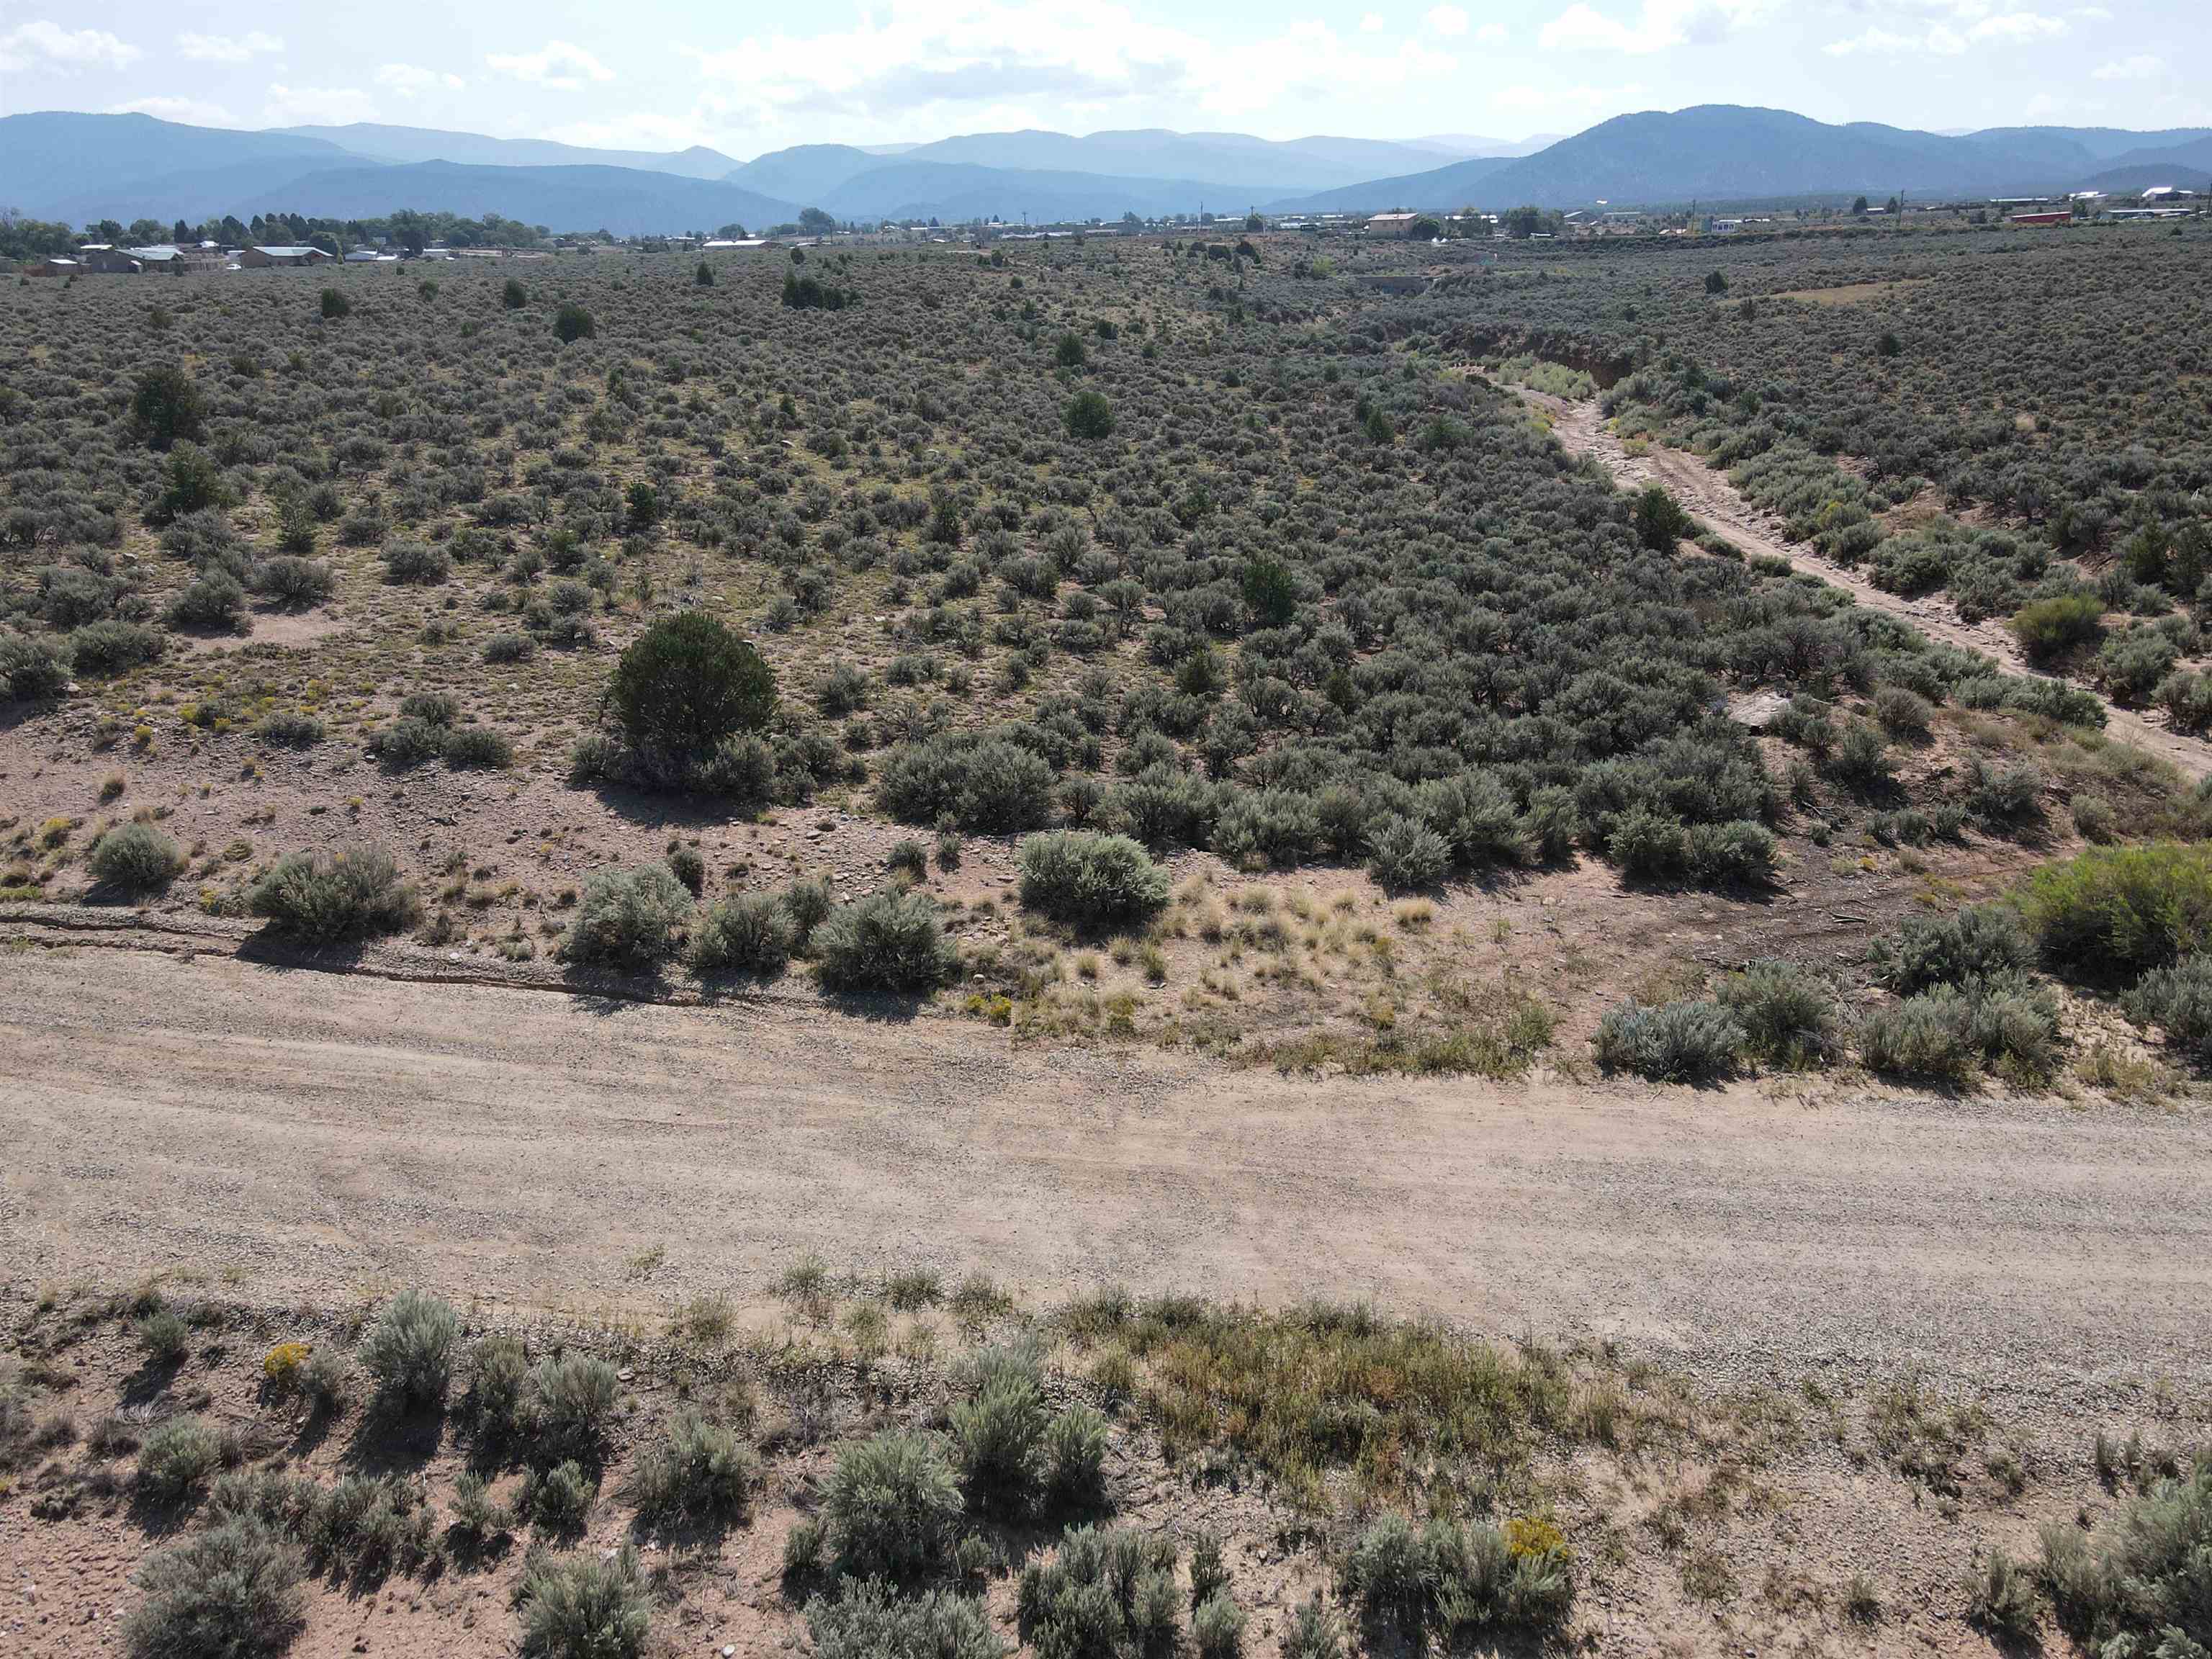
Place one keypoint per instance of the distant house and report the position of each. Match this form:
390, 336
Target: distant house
162, 257
101, 257
370, 256
2064, 216
1392, 224
256, 258
54, 266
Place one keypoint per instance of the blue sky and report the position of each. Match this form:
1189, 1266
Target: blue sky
746, 78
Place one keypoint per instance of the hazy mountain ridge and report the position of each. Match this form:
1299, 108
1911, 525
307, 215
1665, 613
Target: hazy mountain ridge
82, 167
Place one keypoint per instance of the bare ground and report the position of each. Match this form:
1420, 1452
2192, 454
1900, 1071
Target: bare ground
317, 1136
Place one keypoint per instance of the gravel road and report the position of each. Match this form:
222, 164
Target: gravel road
324, 1135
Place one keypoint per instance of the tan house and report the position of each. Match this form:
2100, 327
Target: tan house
255, 257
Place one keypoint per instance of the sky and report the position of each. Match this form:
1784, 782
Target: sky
747, 78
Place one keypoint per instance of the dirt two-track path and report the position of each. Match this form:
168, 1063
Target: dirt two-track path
298, 1135
1582, 430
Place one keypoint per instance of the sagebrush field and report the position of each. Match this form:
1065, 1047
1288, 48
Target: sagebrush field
1130, 644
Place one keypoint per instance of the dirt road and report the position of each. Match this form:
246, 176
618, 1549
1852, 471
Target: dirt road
317, 1134
1708, 494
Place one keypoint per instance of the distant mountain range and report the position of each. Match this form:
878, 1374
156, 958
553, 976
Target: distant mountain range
1725, 152
82, 167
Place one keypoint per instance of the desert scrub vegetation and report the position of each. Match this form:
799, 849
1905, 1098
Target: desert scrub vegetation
1090, 880
682, 694
320, 897
628, 918
410, 1349
889, 941
134, 858
1692, 1040
234, 1590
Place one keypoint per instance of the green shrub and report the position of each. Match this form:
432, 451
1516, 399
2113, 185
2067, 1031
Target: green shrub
867, 1621
31, 668
497, 1407
1075, 1462
688, 684
2004, 796
1104, 1592
134, 858
2001, 1599
1645, 842
808, 901
572, 1400
887, 941
2140, 1584
477, 748
697, 1471
211, 602
231, 1593
744, 933
408, 742
579, 1607
627, 918
290, 729
178, 1454
2179, 998
1903, 711
558, 1500
369, 1527
292, 580
1861, 758
166, 405
1403, 855
572, 323
336, 304
413, 562
1660, 521
322, 896
996, 1432
163, 1336
2050, 628
2131, 665
1387, 1576
1950, 1031
1090, 879
479, 1521
1216, 1627
1978, 942
1090, 417
1689, 1042
890, 1504
408, 1350
2115, 913
1738, 854
1314, 1633
2187, 697
110, 646
1788, 1012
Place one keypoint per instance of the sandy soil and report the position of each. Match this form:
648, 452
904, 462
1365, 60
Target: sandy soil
1709, 494
323, 1135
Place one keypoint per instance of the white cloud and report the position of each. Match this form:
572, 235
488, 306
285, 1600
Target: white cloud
412, 80
948, 63
193, 112
1491, 34
228, 48
1940, 39
1372, 23
1447, 20
1658, 25
2141, 67
2018, 26
556, 64
299, 107
49, 46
